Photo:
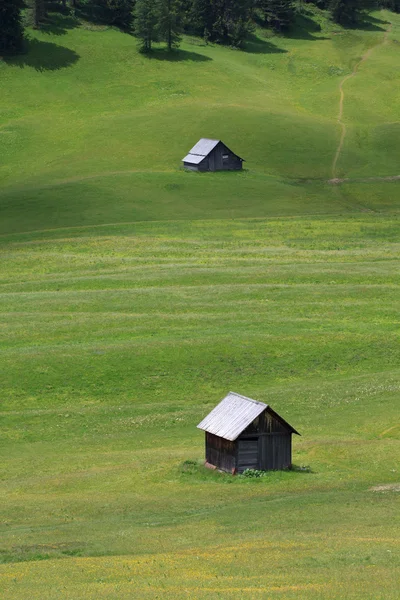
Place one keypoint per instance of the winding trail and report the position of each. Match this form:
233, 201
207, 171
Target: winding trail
364, 58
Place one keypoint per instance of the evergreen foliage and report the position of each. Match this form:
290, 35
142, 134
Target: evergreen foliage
349, 12
222, 21
117, 12
169, 22
278, 14
201, 17
11, 30
393, 5
146, 23
346, 12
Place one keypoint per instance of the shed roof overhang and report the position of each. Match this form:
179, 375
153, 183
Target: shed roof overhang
193, 159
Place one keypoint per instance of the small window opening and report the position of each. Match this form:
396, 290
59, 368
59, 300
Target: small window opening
225, 156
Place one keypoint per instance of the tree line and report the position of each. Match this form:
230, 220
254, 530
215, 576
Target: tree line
219, 21
349, 12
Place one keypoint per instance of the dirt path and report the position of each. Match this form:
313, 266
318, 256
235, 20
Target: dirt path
342, 97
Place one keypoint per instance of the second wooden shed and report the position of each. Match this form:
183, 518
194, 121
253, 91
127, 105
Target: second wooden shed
242, 433
212, 155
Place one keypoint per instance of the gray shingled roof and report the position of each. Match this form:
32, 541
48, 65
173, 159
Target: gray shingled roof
231, 416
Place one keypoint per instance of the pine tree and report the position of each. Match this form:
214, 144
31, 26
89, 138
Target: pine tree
11, 30
238, 20
347, 12
224, 21
169, 22
278, 14
145, 14
201, 18
117, 12
393, 5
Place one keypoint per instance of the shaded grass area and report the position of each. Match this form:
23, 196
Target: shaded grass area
154, 196
43, 56
139, 196
117, 340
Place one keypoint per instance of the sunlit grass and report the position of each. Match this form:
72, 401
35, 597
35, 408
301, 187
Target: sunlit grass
117, 340
134, 295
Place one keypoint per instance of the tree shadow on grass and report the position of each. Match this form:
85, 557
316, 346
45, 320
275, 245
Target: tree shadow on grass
370, 23
366, 22
89, 15
175, 55
256, 45
59, 24
44, 56
305, 28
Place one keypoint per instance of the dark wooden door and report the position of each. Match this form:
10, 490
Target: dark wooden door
248, 455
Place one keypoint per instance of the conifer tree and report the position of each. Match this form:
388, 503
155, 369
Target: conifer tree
347, 12
169, 22
278, 14
117, 12
226, 21
238, 19
393, 5
11, 30
145, 14
202, 16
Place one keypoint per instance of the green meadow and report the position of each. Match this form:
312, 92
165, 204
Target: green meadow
134, 296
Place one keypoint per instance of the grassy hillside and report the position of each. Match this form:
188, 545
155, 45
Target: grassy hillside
93, 132
134, 295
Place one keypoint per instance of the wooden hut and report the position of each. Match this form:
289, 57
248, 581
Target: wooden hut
212, 155
242, 433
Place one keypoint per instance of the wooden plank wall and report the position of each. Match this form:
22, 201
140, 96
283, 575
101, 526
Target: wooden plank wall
220, 452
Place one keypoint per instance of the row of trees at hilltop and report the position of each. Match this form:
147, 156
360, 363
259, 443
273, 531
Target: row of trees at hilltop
347, 12
219, 21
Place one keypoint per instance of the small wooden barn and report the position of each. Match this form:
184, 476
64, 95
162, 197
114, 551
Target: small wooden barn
242, 433
212, 155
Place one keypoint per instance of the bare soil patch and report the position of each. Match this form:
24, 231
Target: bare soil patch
388, 487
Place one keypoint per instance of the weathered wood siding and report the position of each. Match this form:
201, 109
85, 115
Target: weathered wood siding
220, 452
274, 443
248, 454
275, 451
266, 444
223, 159
266, 422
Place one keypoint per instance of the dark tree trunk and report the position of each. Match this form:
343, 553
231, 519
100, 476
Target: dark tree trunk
39, 12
